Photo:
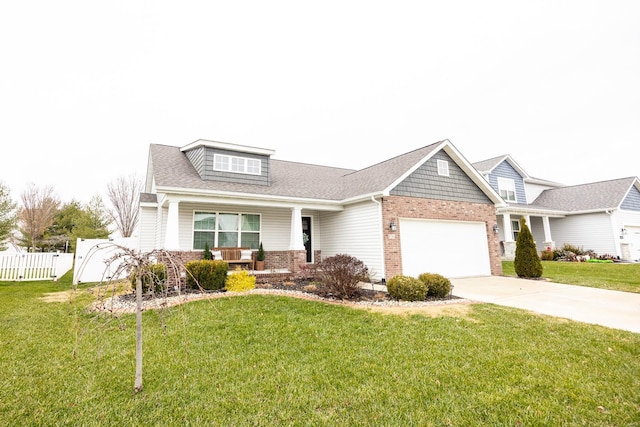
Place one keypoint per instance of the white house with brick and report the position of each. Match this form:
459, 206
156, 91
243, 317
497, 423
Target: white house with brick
428, 210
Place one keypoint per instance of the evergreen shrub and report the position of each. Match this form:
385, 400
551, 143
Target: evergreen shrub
240, 281
406, 288
527, 262
153, 279
206, 274
438, 286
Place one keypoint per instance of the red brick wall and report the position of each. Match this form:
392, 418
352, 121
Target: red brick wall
396, 207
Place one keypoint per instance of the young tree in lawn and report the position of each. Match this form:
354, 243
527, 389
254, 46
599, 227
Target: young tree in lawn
8, 217
38, 211
124, 194
527, 262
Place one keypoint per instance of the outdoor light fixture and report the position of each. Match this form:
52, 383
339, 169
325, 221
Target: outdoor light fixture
623, 231
392, 226
496, 228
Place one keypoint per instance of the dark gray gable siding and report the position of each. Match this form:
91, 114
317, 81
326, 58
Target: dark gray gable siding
196, 157
505, 170
632, 201
425, 182
210, 175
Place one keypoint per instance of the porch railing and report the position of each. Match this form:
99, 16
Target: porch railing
34, 266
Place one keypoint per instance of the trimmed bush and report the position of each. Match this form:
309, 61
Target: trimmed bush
406, 288
547, 256
240, 281
527, 262
341, 275
153, 278
437, 285
206, 274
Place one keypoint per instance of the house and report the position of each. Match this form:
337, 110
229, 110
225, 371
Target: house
428, 210
601, 216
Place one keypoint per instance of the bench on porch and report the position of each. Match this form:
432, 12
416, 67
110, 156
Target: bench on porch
234, 256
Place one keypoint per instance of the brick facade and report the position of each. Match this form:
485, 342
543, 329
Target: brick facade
396, 207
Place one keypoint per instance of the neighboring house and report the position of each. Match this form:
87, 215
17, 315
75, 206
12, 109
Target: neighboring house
428, 210
601, 216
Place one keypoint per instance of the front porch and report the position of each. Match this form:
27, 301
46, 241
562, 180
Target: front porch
537, 222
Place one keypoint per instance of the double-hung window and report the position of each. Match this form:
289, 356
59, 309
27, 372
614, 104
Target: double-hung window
507, 189
226, 230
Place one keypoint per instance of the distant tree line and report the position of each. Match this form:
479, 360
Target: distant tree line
42, 223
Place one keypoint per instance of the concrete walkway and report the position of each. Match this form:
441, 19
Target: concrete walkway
613, 309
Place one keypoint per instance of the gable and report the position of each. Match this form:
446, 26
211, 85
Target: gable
505, 170
425, 182
632, 201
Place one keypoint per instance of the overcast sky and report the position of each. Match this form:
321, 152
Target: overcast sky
86, 86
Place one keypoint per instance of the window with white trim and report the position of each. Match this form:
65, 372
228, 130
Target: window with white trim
443, 167
515, 229
507, 189
226, 230
225, 163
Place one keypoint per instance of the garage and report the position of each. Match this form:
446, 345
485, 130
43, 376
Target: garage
450, 248
633, 238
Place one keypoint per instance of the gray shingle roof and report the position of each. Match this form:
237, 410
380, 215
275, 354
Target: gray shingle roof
488, 165
171, 168
586, 197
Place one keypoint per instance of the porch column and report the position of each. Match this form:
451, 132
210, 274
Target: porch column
506, 226
508, 244
295, 242
548, 240
527, 218
172, 233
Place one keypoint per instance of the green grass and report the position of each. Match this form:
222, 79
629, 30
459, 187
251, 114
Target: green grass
269, 360
619, 277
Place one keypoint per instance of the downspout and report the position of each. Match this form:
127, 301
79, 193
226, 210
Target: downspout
381, 236
616, 236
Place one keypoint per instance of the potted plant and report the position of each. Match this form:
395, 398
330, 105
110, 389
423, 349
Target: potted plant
260, 258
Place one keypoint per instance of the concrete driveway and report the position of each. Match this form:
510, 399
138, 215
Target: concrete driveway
613, 309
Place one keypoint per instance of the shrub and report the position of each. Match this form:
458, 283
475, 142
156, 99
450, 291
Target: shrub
406, 288
206, 274
240, 281
527, 262
260, 255
341, 275
153, 278
547, 256
437, 285
206, 254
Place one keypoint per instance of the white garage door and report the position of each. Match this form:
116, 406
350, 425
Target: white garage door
450, 248
633, 237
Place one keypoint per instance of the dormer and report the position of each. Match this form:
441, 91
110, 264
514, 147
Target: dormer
223, 161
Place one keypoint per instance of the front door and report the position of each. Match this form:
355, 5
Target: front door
306, 237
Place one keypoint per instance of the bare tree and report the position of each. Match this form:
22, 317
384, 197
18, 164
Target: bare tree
124, 194
39, 208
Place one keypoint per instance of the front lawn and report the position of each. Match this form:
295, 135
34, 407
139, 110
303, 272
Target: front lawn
272, 360
616, 276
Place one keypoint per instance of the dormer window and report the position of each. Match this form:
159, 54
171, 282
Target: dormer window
225, 163
443, 168
507, 189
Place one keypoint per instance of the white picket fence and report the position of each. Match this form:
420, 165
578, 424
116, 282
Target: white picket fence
34, 266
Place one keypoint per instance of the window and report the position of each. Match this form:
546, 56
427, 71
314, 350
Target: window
226, 230
507, 189
443, 168
235, 164
515, 227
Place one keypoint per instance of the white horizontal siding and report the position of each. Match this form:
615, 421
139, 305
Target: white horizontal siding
356, 231
147, 229
589, 231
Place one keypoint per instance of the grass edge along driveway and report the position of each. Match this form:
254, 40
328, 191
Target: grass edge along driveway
615, 276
